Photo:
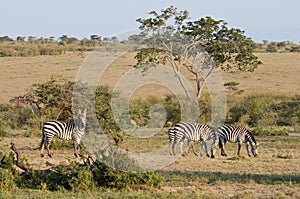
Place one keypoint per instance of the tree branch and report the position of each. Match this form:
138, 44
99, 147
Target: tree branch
18, 162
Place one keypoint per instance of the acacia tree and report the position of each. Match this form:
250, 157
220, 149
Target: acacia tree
200, 46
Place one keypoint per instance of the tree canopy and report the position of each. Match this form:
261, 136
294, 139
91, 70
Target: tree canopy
171, 37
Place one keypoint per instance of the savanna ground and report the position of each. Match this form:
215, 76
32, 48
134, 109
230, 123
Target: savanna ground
274, 174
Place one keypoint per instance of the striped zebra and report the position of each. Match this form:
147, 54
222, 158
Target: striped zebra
192, 132
65, 131
237, 134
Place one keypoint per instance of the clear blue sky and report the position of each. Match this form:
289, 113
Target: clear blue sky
273, 20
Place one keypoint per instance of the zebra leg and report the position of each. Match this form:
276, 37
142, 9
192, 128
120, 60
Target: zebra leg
171, 148
204, 146
213, 146
193, 146
247, 148
180, 146
222, 146
42, 149
239, 148
206, 151
75, 149
47, 147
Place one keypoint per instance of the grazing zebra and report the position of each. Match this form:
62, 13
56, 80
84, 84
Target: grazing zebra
62, 130
237, 134
193, 132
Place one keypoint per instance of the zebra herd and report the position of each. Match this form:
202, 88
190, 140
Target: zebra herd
194, 132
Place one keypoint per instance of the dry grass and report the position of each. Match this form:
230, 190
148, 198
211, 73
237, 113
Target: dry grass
279, 74
267, 176
19, 73
274, 174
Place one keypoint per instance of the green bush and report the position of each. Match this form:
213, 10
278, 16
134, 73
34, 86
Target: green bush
7, 179
265, 110
263, 132
8, 175
75, 176
288, 111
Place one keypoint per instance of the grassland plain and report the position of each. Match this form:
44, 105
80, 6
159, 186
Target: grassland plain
279, 74
274, 174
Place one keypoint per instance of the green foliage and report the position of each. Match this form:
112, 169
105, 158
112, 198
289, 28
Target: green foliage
7, 179
105, 115
15, 116
272, 47
263, 132
7, 161
295, 49
266, 110
74, 177
71, 177
112, 178
8, 175
172, 107
139, 109
61, 144
171, 37
288, 111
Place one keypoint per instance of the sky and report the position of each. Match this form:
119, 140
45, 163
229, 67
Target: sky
272, 20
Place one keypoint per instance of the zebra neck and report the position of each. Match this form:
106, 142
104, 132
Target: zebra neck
250, 139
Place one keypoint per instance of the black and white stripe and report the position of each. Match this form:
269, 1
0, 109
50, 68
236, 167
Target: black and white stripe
207, 133
171, 136
65, 131
192, 132
239, 134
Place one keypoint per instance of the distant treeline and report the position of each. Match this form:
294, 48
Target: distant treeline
32, 46
283, 46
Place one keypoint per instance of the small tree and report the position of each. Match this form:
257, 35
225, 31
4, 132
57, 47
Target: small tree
50, 100
172, 38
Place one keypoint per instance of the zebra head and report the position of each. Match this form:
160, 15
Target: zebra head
254, 149
81, 119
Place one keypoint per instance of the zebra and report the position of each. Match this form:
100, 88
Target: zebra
237, 134
65, 131
193, 132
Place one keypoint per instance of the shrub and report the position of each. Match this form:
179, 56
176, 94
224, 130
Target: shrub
75, 176
7, 179
265, 110
263, 132
8, 175
288, 111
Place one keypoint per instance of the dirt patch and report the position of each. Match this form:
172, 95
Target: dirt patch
29, 149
